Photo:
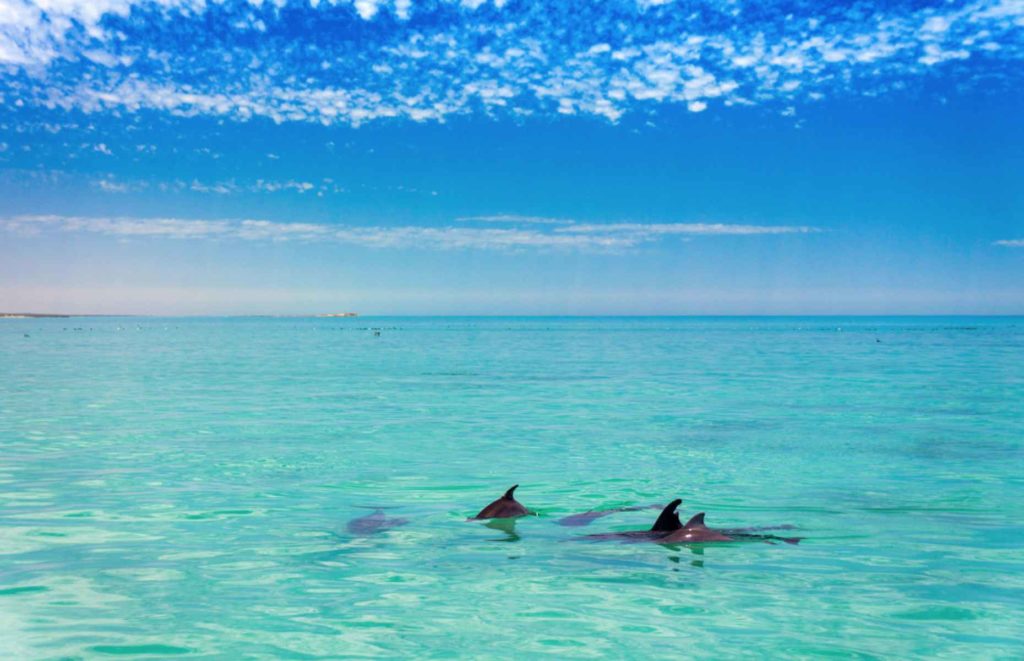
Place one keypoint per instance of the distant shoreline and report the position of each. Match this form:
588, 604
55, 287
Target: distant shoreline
34, 315
54, 315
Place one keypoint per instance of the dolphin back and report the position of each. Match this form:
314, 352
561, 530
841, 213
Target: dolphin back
695, 532
503, 508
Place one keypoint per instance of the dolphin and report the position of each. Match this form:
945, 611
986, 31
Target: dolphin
506, 507
371, 524
695, 532
586, 518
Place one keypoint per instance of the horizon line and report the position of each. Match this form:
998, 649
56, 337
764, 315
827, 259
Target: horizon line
329, 316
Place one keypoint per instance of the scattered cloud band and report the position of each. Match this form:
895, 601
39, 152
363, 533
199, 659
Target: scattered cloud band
356, 61
569, 236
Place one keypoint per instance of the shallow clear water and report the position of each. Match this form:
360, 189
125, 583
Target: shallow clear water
183, 486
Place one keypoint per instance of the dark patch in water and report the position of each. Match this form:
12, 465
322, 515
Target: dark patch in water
24, 589
151, 650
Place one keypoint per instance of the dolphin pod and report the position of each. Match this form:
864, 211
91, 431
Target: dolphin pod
667, 528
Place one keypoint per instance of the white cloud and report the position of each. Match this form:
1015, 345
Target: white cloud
515, 219
111, 186
608, 237
124, 227
707, 229
472, 238
220, 189
35, 32
1010, 243
231, 187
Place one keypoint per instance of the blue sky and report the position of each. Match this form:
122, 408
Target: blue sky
615, 157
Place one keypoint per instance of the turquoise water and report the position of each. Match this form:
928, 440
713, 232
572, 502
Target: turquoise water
182, 486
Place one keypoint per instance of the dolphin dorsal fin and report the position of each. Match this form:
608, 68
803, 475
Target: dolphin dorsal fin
508, 494
668, 520
696, 521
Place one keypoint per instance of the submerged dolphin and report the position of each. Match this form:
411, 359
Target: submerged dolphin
586, 518
506, 507
666, 523
668, 529
374, 523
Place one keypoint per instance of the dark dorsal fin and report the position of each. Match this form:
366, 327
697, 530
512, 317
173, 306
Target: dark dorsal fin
696, 522
668, 520
508, 494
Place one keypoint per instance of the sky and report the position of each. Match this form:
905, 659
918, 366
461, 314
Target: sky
511, 157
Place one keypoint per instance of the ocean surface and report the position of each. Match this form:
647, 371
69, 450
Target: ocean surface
177, 487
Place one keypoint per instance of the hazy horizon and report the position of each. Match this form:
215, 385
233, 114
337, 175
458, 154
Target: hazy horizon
325, 315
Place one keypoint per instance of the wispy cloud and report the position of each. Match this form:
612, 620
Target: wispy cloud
1010, 243
471, 238
430, 60
611, 237
514, 219
173, 228
443, 238
110, 184
693, 229
569, 226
